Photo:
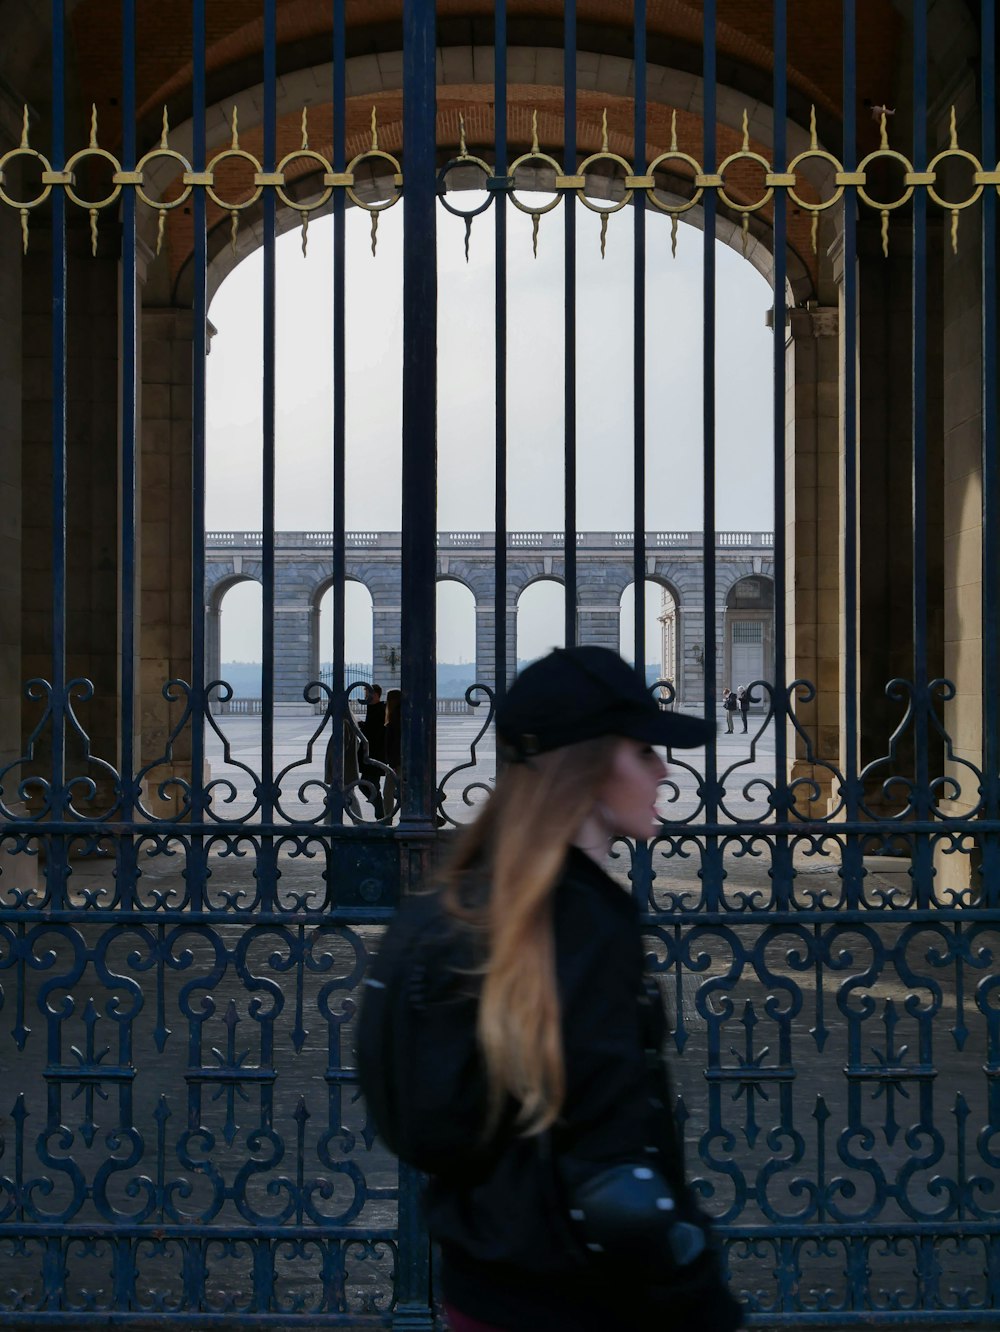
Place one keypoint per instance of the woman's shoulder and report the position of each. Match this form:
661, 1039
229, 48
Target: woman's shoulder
592, 910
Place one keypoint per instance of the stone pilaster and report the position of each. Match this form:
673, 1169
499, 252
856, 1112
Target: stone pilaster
10, 461
813, 540
164, 527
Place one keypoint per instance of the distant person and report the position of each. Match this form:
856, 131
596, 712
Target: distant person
393, 746
729, 703
351, 771
373, 729
743, 701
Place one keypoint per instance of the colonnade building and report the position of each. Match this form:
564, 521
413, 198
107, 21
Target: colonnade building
742, 601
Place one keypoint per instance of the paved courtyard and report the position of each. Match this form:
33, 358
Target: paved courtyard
300, 746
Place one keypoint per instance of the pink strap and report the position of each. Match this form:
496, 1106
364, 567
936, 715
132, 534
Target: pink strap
458, 1322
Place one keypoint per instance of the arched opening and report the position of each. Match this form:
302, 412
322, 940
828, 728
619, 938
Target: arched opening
749, 639
239, 611
358, 616
660, 664
456, 642
541, 620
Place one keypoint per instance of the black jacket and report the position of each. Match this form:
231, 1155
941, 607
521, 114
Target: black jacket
509, 1254
373, 729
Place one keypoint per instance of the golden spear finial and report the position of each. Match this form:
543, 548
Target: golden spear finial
305, 128
746, 131
604, 130
374, 130
165, 131
24, 127
883, 133
93, 125
813, 140
236, 128
673, 130
954, 129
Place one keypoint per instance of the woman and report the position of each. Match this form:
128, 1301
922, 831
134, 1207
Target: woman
582, 1220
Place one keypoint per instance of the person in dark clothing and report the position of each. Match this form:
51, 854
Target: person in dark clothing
393, 746
580, 1219
729, 703
350, 772
373, 729
743, 700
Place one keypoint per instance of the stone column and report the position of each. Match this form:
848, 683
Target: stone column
386, 658
963, 369
813, 540
486, 640
296, 634
598, 608
691, 651
92, 481
11, 338
884, 604
164, 530
17, 871
512, 644
213, 643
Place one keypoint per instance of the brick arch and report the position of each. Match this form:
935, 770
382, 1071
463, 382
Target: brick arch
474, 102
235, 37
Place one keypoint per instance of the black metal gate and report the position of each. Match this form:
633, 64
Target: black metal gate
182, 1140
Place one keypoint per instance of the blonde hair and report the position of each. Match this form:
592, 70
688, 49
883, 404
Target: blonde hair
519, 844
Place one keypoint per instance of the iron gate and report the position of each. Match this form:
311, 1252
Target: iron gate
182, 1143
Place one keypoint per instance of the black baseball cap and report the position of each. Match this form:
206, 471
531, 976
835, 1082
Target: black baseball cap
580, 693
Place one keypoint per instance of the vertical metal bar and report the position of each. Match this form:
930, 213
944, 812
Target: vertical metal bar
990, 881
268, 418
569, 324
922, 866
500, 298
128, 421
852, 865
58, 155
639, 346
782, 861
419, 551
709, 155
338, 682
199, 350
419, 469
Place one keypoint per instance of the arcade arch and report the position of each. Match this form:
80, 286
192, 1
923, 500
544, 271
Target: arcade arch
659, 664
358, 631
457, 634
234, 630
541, 619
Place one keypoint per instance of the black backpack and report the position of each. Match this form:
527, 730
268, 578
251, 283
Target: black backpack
419, 1062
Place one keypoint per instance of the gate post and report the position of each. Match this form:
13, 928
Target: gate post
419, 556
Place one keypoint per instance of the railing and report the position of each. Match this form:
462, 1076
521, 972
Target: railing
252, 707
241, 707
481, 540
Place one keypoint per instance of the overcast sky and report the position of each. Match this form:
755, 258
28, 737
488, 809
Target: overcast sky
466, 345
